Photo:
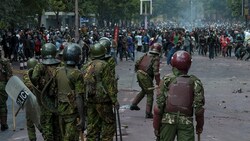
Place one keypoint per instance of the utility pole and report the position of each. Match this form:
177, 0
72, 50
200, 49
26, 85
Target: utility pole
242, 7
191, 13
76, 21
146, 9
246, 10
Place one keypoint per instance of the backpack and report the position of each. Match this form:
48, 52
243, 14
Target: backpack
93, 79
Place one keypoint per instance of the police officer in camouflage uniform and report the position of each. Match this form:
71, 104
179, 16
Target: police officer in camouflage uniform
42, 77
69, 88
101, 96
180, 96
111, 60
5, 74
31, 63
147, 68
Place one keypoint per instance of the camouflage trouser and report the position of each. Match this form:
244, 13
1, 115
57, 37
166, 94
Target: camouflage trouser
101, 119
68, 128
3, 102
182, 131
50, 126
145, 82
30, 128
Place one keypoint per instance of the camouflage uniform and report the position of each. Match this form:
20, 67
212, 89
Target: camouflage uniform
112, 64
49, 121
180, 124
101, 118
30, 125
69, 82
5, 74
145, 80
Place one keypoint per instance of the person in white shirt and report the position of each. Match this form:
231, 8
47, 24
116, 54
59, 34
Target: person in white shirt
139, 42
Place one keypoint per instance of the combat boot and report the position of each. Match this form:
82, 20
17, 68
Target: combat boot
4, 125
134, 107
136, 101
149, 111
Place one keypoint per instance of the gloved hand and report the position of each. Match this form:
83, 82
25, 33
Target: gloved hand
117, 105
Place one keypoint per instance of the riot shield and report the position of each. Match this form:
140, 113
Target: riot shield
24, 98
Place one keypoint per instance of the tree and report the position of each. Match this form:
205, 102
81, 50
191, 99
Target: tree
35, 8
57, 6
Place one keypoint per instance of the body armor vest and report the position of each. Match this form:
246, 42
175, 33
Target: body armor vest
181, 96
63, 85
145, 63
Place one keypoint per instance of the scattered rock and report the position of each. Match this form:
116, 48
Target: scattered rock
246, 96
223, 101
238, 91
225, 107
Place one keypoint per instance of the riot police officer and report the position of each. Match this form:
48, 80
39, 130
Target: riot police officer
31, 63
42, 76
101, 95
5, 74
69, 84
181, 95
147, 68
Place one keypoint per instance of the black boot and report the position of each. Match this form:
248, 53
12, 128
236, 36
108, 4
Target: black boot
136, 101
149, 111
134, 107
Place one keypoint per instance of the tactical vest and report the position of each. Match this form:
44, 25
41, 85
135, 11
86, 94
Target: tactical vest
181, 96
145, 63
63, 85
95, 90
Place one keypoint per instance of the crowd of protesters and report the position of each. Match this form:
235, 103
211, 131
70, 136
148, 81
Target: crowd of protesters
211, 41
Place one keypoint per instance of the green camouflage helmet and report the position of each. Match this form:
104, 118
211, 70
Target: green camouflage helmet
97, 51
105, 42
71, 54
31, 63
49, 53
